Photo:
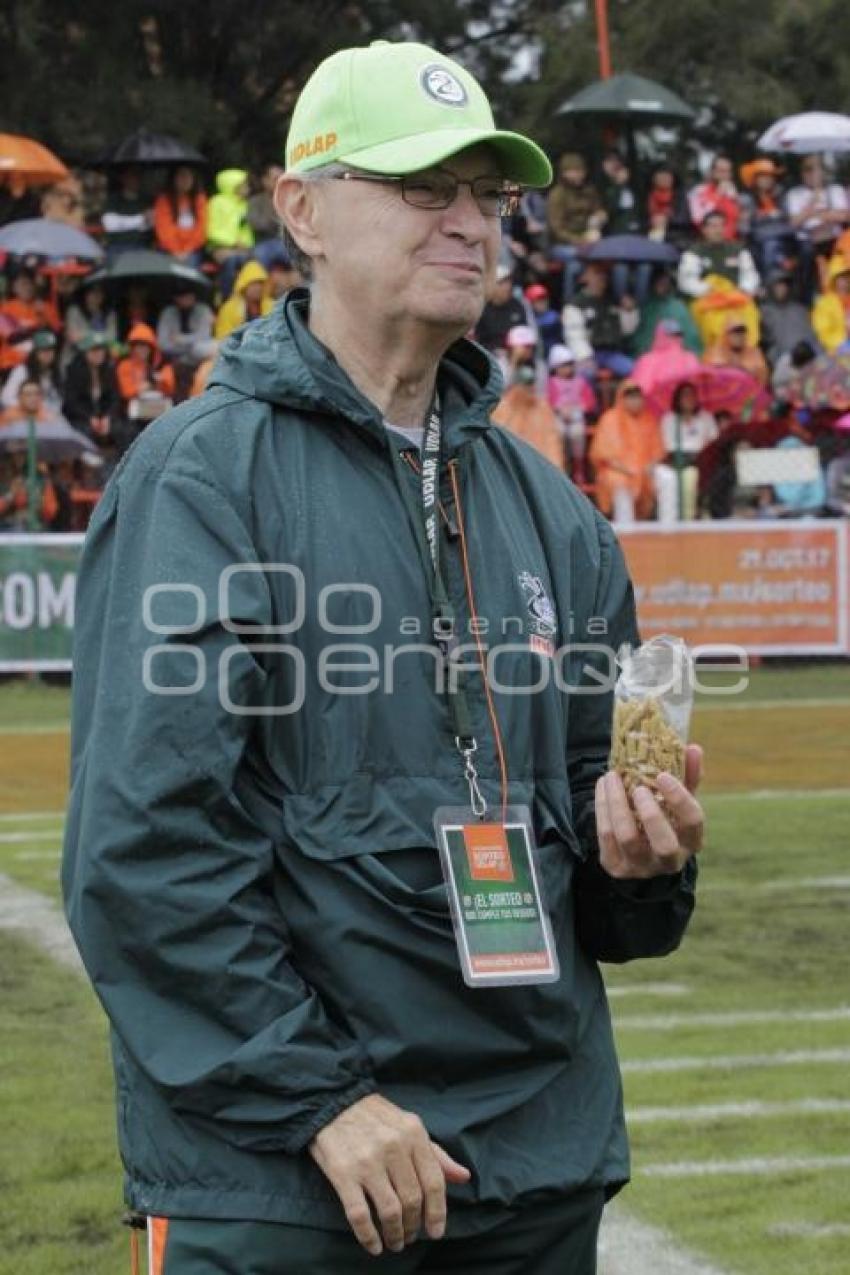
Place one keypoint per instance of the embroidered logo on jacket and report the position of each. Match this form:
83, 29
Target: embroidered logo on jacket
543, 619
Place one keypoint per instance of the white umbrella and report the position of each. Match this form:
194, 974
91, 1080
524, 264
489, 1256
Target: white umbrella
54, 439
807, 133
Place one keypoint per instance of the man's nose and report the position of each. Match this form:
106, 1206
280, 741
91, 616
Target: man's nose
464, 217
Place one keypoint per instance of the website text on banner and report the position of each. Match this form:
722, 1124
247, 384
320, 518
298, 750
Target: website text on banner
780, 588
776, 588
38, 578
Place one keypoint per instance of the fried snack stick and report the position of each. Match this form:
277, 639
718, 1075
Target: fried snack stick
643, 743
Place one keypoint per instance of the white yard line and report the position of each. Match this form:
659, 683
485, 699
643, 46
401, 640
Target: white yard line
672, 1022
32, 815
715, 704
40, 728
10, 838
771, 887
30, 914
782, 794
810, 1230
754, 1167
707, 1112
648, 989
736, 1062
630, 1247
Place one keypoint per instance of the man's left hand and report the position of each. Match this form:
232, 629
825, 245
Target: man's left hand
666, 836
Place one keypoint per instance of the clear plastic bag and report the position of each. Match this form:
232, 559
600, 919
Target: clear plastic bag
653, 699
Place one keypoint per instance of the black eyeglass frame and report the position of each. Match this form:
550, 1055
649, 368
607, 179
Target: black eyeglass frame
508, 197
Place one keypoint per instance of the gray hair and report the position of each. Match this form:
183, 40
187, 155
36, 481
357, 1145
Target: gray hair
302, 262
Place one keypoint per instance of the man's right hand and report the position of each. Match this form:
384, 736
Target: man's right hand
374, 1153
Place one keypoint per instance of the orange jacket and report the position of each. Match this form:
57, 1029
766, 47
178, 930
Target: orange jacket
25, 314
133, 376
629, 439
32, 314
531, 418
170, 235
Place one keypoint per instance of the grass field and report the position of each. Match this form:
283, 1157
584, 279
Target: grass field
735, 1050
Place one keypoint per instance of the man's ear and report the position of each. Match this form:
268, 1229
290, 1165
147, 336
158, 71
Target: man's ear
296, 203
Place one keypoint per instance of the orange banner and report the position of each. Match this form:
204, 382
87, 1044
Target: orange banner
770, 587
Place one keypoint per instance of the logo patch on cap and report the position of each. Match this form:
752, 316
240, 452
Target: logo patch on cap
439, 83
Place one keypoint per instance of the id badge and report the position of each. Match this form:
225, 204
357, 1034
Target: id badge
500, 920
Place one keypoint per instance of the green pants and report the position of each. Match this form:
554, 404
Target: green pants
556, 1238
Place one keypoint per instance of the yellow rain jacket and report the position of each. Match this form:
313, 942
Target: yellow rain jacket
829, 318
234, 312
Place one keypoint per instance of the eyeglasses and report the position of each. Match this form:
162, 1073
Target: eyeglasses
494, 197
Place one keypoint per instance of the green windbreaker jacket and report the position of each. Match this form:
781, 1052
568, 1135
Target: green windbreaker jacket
250, 869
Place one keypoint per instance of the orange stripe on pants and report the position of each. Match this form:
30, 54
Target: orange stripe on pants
157, 1236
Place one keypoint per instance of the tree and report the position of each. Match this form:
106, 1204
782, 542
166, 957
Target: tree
224, 74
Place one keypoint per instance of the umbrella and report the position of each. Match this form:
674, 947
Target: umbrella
55, 439
41, 237
720, 389
823, 384
808, 133
150, 149
631, 248
631, 101
630, 98
30, 160
142, 265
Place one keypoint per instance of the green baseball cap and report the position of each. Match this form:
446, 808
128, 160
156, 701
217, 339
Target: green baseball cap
398, 108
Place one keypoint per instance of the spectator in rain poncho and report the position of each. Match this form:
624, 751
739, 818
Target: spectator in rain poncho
664, 303
625, 449
831, 311
249, 300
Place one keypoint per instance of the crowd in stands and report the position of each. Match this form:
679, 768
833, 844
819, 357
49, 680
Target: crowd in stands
645, 382
109, 357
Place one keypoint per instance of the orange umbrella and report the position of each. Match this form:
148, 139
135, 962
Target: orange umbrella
30, 160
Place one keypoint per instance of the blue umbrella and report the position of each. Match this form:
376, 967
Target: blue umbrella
41, 237
634, 249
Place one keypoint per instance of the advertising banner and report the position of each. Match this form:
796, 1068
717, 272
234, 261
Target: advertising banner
774, 588
38, 579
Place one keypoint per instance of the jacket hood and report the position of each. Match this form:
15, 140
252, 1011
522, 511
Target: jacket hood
229, 180
251, 272
278, 360
141, 332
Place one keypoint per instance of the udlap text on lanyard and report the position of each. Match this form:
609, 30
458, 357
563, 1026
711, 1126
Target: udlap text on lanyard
423, 517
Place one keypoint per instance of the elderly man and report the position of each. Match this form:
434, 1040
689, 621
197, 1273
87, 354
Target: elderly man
319, 610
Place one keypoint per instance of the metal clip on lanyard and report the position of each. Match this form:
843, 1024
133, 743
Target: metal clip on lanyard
427, 533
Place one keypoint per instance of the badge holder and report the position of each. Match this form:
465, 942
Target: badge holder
498, 911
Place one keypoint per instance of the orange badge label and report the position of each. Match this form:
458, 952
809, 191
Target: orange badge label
487, 852
321, 144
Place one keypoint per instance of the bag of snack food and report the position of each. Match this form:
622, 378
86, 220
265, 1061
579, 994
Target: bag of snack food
653, 698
